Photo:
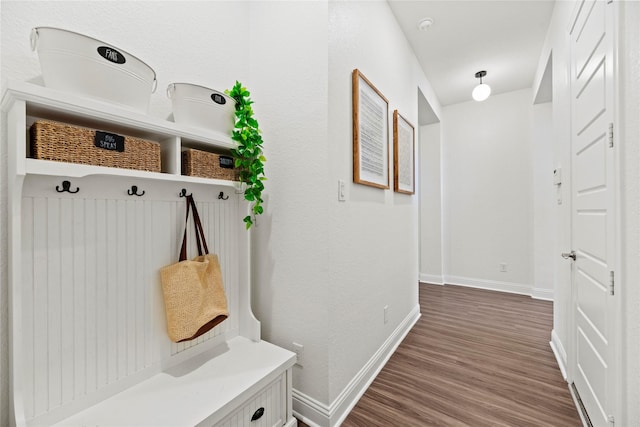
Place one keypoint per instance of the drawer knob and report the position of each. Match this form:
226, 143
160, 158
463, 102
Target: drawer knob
258, 414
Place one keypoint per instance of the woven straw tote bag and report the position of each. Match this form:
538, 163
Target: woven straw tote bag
193, 291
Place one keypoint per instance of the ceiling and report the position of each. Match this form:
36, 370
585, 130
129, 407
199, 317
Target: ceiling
502, 37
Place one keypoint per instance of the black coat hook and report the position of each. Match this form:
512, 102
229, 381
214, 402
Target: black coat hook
134, 191
183, 193
66, 185
221, 196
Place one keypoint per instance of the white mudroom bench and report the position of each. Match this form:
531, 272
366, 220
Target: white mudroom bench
88, 341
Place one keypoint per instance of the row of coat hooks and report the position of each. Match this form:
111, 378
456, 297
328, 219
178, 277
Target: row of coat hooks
133, 191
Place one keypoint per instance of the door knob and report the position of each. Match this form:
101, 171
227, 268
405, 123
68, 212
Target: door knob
567, 255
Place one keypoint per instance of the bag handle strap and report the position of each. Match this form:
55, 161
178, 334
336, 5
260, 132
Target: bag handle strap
200, 239
183, 248
199, 228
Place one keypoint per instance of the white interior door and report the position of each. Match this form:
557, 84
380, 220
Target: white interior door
593, 191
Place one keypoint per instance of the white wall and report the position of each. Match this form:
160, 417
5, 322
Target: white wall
629, 64
430, 197
325, 269
559, 45
291, 270
556, 45
4, 337
488, 193
373, 256
544, 203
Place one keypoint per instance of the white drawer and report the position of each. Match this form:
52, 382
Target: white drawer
267, 408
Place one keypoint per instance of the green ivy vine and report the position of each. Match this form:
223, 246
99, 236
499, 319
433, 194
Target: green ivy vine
248, 152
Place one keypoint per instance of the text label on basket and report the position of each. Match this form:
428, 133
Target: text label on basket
109, 141
110, 54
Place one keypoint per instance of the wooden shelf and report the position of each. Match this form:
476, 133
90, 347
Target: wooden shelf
76, 170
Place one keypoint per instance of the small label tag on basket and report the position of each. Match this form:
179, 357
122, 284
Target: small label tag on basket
109, 141
226, 162
110, 54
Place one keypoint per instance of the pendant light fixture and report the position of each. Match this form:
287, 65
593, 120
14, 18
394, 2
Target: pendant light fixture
482, 91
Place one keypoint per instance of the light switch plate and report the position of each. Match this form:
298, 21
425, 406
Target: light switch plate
341, 190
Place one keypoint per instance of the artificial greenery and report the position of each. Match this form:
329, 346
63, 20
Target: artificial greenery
248, 153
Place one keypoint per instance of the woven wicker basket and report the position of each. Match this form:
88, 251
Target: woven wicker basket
208, 165
65, 143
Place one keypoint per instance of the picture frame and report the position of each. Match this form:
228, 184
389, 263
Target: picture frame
370, 133
404, 150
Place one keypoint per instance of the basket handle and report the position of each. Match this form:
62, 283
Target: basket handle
34, 39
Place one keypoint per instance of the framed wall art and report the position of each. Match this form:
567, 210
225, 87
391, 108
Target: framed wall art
370, 134
403, 155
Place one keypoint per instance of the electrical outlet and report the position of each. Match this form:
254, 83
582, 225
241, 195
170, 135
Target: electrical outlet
386, 314
503, 267
298, 349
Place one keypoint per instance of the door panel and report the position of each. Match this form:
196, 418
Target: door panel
591, 172
591, 293
592, 97
592, 375
592, 207
588, 33
592, 242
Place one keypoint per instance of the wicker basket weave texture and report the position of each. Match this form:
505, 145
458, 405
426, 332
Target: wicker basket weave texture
66, 143
206, 165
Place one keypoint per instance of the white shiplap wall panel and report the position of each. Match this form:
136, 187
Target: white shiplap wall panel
79, 300
67, 299
152, 294
51, 217
140, 290
100, 285
91, 295
93, 310
28, 313
40, 312
120, 288
111, 309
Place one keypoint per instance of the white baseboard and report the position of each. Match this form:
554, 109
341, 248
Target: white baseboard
559, 353
434, 279
310, 411
542, 293
317, 414
492, 285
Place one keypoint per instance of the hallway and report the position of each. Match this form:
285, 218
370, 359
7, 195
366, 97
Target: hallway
475, 358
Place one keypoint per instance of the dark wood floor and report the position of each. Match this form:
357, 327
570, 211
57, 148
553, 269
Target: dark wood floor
475, 358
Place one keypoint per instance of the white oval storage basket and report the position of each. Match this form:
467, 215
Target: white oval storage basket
202, 107
82, 65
